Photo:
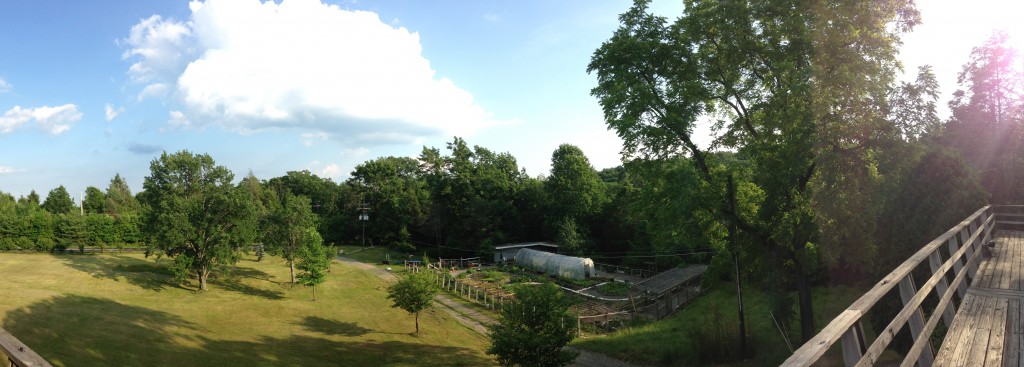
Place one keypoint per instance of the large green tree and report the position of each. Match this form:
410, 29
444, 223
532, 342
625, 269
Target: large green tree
95, 200
987, 125
195, 214
119, 198
475, 197
397, 197
534, 329
800, 89
286, 228
327, 198
58, 201
575, 194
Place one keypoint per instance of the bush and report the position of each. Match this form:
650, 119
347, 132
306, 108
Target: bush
45, 244
24, 243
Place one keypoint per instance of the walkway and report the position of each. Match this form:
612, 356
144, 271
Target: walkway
989, 328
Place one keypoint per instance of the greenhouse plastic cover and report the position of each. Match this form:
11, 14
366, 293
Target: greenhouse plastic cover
560, 265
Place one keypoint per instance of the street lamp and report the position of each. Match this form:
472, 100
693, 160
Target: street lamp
363, 217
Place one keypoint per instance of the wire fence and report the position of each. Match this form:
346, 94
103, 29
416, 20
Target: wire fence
464, 290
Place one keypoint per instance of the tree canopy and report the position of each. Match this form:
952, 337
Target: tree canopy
414, 293
195, 214
58, 201
534, 329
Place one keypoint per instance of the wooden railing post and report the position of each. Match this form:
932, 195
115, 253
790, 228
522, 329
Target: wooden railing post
916, 322
934, 262
961, 289
854, 344
965, 238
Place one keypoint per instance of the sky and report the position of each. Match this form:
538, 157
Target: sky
92, 89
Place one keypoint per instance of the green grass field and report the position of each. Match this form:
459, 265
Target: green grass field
123, 310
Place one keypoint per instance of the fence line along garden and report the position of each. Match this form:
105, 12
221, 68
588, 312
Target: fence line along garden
603, 303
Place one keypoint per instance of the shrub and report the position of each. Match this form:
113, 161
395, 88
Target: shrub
45, 244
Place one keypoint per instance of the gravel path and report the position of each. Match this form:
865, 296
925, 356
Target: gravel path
476, 320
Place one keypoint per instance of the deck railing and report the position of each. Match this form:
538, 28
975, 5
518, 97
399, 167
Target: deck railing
964, 242
17, 354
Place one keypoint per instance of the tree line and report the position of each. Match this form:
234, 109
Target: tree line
825, 168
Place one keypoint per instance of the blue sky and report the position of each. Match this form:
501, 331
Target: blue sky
90, 89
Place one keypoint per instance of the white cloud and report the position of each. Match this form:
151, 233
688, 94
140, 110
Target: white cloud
330, 171
491, 17
179, 120
53, 120
161, 49
153, 90
5, 86
300, 64
4, 170
111, 113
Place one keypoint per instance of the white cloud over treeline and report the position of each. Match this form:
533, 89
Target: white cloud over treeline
251, 65
53, 120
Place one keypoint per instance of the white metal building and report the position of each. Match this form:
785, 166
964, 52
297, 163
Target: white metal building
560, 265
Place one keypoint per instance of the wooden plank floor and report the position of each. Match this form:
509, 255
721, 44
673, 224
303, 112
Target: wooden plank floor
988, 329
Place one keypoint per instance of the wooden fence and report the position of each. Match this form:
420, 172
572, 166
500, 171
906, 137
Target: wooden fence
465, 291
963, 242
17, 353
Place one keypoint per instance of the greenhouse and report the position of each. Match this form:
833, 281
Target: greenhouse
560, 265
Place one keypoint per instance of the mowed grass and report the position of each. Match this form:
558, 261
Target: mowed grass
124, 310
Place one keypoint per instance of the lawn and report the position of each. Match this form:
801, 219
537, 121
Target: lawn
124, 310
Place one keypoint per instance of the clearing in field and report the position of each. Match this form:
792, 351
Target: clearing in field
124, 310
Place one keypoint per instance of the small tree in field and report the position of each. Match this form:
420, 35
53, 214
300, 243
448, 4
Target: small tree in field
533, 329
413, 293
313, 260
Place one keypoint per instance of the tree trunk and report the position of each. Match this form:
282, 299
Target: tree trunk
806, 310
203, 273
417, 323
291, 266
314, 293
731, 225
739, 304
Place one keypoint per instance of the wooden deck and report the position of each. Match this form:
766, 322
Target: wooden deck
988, 329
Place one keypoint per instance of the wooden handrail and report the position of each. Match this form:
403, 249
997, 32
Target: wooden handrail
846, 328
17, 353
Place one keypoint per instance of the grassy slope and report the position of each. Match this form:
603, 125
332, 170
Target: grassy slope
674, 341
95, 310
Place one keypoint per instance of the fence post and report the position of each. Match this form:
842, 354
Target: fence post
907, 291
935, 262
853, 344
961, 289
965, 237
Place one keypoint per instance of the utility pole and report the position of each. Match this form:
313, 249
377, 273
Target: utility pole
363, 217
81, 203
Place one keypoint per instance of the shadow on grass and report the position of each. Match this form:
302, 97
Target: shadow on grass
87, 331
146, 274
233, 278
332, 327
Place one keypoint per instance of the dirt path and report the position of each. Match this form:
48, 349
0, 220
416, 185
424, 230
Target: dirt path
477, 320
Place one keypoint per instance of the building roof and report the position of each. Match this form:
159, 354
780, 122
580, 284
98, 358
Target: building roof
525, 244
671, 278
